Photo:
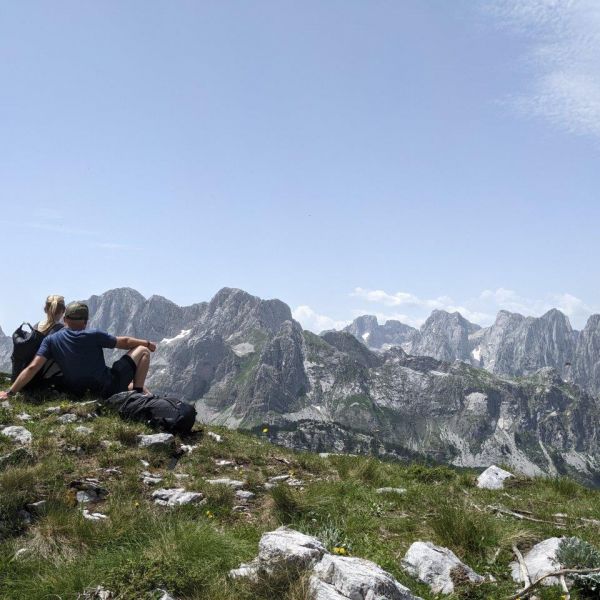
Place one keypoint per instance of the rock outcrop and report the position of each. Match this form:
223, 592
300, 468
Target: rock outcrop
493, 478
330, 577
244, 362
380, 337
539, 561
438, 567
5, 352
444, 336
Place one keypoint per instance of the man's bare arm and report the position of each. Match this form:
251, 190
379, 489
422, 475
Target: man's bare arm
129, 343
26, 375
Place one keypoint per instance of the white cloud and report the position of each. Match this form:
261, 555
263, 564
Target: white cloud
410, 309
481, 310
383, 316
311, 320
564, 60
409, 300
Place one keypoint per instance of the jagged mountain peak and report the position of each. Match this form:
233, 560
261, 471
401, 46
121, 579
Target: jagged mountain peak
439, 315
232, 310
593, 322
367, 330
348, 344
121, 293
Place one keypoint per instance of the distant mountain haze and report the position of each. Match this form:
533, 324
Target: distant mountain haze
446, 392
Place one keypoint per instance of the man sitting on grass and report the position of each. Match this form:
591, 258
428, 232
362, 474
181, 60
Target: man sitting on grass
78, 352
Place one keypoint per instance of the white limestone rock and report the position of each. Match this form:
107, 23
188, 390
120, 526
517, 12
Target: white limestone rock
390, 490
434, 565
350, 578
67, 418
540, 561
93, 516
150, 478
156, 440
244, 495
289, 546
177, 497
215, 436
17, 434
163, 595
24, 417
188, 448
280, 549
83, 430
38, 507
278, 479
232, 483
493, 478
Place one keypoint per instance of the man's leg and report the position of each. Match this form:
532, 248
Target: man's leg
141, 358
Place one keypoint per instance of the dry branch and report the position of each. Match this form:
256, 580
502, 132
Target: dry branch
526, 591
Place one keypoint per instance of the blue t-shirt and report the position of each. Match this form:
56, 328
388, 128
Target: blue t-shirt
80, 357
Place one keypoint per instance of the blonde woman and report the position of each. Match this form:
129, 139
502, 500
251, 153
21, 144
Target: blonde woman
27, 340
54, 309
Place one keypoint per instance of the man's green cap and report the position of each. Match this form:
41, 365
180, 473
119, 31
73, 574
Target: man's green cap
78, 311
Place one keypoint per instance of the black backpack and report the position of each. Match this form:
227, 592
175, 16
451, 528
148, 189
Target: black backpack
25, 345
160, 412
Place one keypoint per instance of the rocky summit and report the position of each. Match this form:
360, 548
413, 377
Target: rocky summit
513, 346
245, 363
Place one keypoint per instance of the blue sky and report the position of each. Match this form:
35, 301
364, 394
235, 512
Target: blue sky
347, 157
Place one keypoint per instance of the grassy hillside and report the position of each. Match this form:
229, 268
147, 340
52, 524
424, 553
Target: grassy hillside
189, 550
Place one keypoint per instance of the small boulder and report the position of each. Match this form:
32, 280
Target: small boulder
232, 483
150, 478
436, 566
349, 578
98, 593
540, 561
188, 448
17, 434
493, 478
54, 410
215, 436
38, 507
88, 490
279, 479
163, 595
93, 516
156, 440
177, 497
244, 495
67, 418
83, 430
281, 549
24, 417
390, 490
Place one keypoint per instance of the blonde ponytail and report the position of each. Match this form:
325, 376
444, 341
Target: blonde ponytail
54, 308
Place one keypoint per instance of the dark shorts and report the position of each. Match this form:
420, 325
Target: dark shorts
121, 375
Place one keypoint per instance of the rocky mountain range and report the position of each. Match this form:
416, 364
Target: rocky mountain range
514, 346
246, 363
5, 351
